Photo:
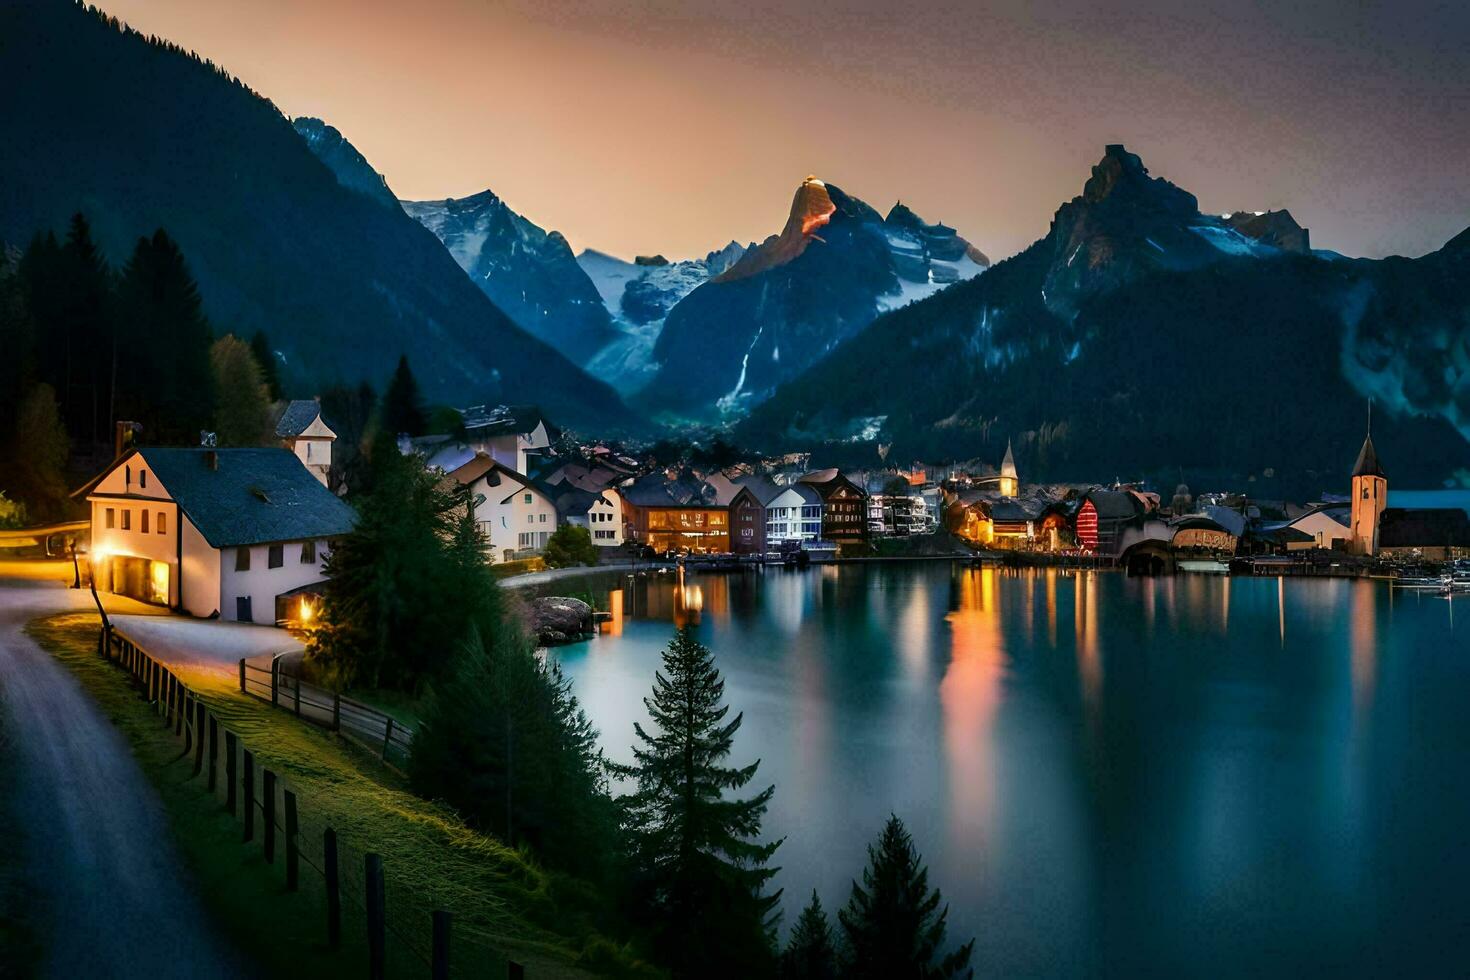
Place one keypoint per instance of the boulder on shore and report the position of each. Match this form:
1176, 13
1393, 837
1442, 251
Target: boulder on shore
560, 619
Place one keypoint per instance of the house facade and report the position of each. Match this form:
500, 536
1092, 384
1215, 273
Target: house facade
227, 532
600, 513
517, 515
844, 506
302, 430
794, 515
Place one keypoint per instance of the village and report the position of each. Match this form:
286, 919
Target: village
243, 533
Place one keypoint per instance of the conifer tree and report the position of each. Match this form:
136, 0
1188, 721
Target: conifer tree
893, 922
403, 406
165, 378
701, 870
811, 951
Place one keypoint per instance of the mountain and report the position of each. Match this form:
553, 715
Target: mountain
529, 273
139, 134
1139, 337
638, 296
835, 266
341, 157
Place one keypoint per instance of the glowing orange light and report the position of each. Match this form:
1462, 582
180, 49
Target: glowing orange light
308, 611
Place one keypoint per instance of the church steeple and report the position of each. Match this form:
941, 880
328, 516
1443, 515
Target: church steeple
1010, 481
1370, 494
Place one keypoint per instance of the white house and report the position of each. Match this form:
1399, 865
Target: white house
236, 533
302, 430
794, 514
509, 434
600, 513
1326, 525
515, 512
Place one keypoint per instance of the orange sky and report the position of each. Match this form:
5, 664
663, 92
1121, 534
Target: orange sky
675, 126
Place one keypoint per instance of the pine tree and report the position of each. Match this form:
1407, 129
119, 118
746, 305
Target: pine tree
893, 922
701, 869
811, 952
350, 413
165, 377
260, 346
403, 406
35, 459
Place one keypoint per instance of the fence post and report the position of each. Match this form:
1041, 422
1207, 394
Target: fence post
198, 736
377, 920
298, 695
387, 738
213, 751
181, 706
334, 888
336, 711
441, 945
187, 730
293, 850
249, 786
275, 681
230, 772
242, 675
270, 816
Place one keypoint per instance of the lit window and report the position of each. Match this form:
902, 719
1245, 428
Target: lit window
242, 559
143, 521
127, 516
111, 517
275, 557
161, 528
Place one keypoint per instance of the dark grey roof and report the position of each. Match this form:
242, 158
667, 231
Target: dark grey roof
255, 496
298, 415
1011, 511
1115, 504
765, 491
1368, 464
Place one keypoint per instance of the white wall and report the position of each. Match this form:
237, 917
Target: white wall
784, 521
131, 489
605, 520
505, 515
261, 583
201, 579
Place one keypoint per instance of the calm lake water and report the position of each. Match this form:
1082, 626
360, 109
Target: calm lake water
1106, 775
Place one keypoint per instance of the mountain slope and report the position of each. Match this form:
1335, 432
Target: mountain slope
139, 135
834, 266
529, 273
342, 158
1139, 337
638, 296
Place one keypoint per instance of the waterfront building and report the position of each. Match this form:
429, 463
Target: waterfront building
1010, 481
676, 515
517, 514
1369, 498
844, 506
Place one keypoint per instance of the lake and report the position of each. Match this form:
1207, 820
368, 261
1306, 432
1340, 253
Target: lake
1106, 775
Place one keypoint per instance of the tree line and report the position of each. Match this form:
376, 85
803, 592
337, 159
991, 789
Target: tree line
677, 866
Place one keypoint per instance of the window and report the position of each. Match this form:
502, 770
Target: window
530, 518
308, 552
528, 498
127, 476
542, 517
242, 608
127, 519
143, 479
1365, 497
143, 521
275, 557
242, 559
111, 517
160, 523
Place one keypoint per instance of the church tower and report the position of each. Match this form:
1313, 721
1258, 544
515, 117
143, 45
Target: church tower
1010, 483
1370, 496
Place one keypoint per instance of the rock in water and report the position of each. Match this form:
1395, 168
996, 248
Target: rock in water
560, 619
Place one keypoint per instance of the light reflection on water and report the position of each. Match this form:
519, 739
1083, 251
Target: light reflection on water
1182, 776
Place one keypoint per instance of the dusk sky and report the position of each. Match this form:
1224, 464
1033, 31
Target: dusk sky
674, 127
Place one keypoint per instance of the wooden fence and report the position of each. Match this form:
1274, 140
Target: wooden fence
388, 737
402, 936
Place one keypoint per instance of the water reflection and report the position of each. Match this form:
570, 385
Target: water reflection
1192, 776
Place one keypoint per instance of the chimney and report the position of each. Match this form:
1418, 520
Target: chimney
124, 436
211, 457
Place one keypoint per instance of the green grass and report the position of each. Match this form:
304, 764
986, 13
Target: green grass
503, 903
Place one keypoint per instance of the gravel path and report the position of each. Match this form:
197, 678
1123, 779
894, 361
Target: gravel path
119, 900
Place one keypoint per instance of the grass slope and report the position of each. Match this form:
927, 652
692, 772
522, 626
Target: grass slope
503, 904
